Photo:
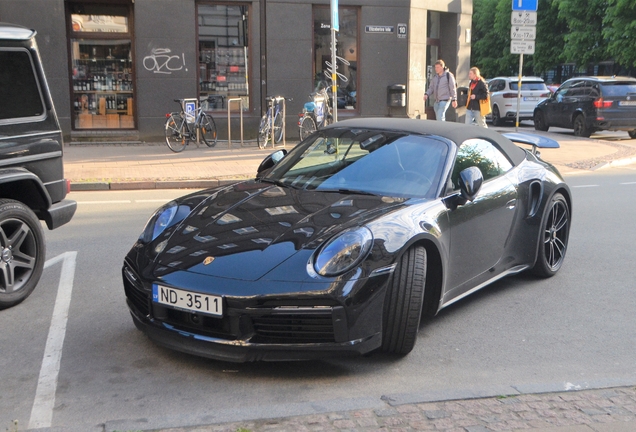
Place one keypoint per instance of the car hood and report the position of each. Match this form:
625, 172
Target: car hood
245, 231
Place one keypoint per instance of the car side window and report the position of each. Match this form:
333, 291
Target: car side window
496, 85
562, 91
482, 154
19, 89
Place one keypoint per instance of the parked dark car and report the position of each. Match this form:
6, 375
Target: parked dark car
589, 104
32, 184
341, 244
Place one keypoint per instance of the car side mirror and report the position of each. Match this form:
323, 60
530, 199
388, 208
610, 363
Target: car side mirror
470, 181
271, 160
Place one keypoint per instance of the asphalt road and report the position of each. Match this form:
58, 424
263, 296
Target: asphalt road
518, 335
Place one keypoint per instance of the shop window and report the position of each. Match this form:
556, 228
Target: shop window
346, 49
223, 55
102, 66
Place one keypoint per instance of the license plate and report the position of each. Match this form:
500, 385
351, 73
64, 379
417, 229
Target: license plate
530, 98
187, 300
627, 103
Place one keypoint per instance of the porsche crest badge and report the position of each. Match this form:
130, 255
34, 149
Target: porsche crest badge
208, 260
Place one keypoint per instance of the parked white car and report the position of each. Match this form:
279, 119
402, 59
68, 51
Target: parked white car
504, 93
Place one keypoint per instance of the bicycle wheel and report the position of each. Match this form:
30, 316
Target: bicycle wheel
177, 137
278, 127
263, 132
208, 130
307, 127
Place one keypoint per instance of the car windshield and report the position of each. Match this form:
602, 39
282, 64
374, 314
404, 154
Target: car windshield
619, 89
528, 85
377, 162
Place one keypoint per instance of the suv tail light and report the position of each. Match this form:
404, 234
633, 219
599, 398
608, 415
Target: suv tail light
509, 95
545, 95
600, 103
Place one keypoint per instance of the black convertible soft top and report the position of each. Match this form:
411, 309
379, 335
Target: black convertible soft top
456, 132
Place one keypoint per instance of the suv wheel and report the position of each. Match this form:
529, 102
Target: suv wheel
580, 129
632, 133
539, 121
496, 117
22, 252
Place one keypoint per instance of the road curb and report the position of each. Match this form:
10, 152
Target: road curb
615, 163
153, 184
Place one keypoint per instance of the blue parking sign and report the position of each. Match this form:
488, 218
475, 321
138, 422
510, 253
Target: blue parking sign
190, 109
525, 5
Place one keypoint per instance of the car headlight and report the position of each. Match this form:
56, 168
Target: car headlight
163, 218
343, 252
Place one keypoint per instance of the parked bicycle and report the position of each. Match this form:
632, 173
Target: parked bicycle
181, 127
315, 114
273, 116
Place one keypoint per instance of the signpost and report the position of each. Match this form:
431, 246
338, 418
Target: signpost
523, 32
335, 26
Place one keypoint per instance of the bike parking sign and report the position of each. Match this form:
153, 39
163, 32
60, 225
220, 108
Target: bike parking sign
190, 109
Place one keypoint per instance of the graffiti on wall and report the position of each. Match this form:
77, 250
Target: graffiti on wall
161, 61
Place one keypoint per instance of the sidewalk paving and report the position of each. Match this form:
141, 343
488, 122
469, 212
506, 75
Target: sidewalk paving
154, 166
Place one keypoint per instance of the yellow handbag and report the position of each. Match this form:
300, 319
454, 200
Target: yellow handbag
484, 106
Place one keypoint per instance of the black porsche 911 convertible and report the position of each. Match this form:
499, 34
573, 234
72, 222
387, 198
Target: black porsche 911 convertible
341, 244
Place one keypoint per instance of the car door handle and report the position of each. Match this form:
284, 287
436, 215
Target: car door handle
511, 204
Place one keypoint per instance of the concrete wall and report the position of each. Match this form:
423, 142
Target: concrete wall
160, 25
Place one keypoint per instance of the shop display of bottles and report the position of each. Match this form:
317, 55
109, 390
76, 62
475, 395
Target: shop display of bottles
90, 102
102, 83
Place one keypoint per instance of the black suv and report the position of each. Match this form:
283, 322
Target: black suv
32, 184
589, 104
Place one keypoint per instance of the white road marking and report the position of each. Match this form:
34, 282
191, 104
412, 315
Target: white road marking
42, 411
628, 183
586, 186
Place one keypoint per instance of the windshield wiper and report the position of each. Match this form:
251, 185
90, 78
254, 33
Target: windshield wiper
348, 191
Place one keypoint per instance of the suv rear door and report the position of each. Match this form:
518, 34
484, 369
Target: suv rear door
618, 104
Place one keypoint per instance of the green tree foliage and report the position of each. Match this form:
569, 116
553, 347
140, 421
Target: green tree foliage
619, 30
551, 31
491, 38
568, 31
584, 42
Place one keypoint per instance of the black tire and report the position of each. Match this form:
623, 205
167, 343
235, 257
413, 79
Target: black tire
208, 131
496, 117
23, 252
632, 134
555, 232
580, 129
264, 134
176, 137
307, 127
403, 303
539, 121
278, 127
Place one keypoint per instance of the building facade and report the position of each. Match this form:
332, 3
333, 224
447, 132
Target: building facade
115, 67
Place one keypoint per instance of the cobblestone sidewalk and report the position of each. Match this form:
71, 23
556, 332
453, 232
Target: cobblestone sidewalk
604, 410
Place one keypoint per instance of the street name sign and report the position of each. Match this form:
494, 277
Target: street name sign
525, 5
523, 18
522, 47
523, 33
379, 29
